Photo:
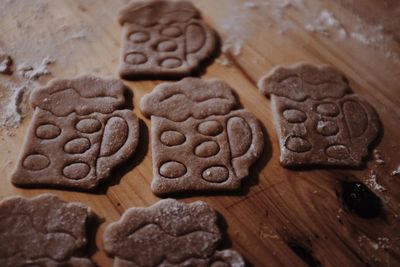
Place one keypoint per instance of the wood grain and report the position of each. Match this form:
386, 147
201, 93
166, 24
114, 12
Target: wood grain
281, 217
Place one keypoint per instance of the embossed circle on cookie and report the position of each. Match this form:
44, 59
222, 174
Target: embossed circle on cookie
328, 109
210, 128
166, 46
215, 174
297, 144
337, 152
77, 145
172, 138
36, 162
172, 169
76, 171
327, 128
207, 149
88, 125
294, 115
48, 131
171, 31
135, 58
139, 37
171, 63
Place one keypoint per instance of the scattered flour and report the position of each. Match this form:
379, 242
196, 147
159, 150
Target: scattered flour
396, 171
250, 4
372, 182
35, 72
13, 111
233, 25
378, 158
275, 14
5, 64
376, 250
232, 44
224, 61
327, 24
14, 103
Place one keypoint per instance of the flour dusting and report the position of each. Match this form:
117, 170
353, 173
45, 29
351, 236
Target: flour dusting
5, 64
327, 24
35, 72
14, 102
396, 171
372, 182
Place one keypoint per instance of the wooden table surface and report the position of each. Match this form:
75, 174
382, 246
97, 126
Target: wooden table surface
281, 217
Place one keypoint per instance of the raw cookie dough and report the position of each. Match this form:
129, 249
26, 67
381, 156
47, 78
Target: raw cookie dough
199, 141
43, 231
163, 39
317, 120
168, 234
77, 135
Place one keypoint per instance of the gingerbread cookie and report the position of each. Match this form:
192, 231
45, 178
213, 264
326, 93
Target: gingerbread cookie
168, 234
77, 134
43, 231
198, 141
163, 39
317, 120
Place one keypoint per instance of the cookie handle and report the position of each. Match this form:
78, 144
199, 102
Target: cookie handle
241, 161
123, 124
362, 123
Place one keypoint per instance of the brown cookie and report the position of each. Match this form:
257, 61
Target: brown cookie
43, 231
77, 134
169, 233
317, 120
163, 39
198, 141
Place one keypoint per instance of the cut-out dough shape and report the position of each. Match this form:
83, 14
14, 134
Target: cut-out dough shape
199, 142
168, 234
43, 231
163, 39
77, 134
317, 120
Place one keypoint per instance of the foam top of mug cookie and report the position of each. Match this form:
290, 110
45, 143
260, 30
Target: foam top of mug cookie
149, 13
189, 97
191, 227
304, 80
83, 95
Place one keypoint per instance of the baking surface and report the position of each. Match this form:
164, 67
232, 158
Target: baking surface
281, 217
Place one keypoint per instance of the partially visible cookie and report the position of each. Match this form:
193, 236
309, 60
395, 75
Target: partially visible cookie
169, 233
43, 231
199, 142
77, 135
317, 120
163, 39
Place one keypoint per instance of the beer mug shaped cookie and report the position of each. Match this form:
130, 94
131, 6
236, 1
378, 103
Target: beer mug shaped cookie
163, 39
317, 120
77, 134
199, 142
